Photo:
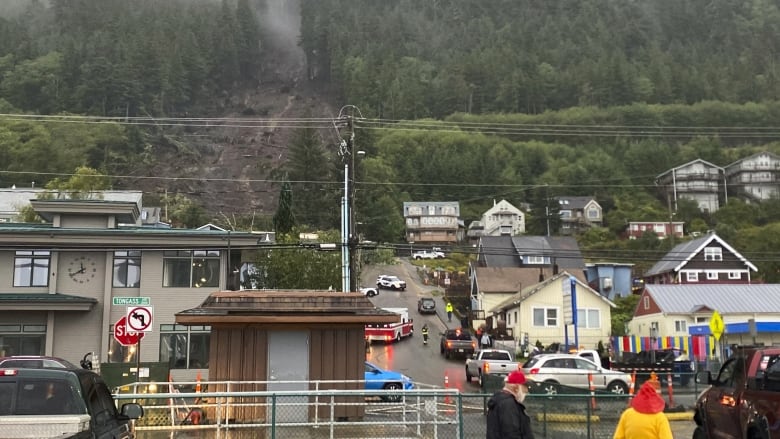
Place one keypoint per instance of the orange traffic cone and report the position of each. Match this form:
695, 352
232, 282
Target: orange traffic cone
446, 386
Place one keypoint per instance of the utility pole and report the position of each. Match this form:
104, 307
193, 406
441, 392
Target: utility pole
350, 273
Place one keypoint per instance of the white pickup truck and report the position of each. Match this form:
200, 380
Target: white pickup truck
425, 254
489, 361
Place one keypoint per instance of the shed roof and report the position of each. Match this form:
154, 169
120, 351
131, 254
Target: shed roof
285, 306
687, 298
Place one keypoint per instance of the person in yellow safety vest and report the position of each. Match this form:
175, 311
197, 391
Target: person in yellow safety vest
425, 334
449, 311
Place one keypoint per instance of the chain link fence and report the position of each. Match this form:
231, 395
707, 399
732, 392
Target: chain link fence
421, 413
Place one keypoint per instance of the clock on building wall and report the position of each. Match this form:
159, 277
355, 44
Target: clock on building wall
82, 269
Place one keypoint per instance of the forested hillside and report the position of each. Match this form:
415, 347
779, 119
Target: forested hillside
458, 100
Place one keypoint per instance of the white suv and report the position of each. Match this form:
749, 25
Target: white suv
390, 282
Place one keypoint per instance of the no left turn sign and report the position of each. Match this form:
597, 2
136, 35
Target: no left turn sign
139, 318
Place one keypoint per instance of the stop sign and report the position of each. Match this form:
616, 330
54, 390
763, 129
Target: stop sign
123, 336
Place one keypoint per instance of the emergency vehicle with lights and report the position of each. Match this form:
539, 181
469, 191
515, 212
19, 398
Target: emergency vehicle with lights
390, 332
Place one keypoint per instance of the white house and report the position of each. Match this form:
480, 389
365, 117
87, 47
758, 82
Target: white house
545, 312
503, 219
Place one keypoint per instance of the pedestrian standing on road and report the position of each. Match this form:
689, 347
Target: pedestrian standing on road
645, 418
449, 311
485, 340
506, 418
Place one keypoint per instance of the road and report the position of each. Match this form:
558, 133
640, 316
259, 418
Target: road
424, 364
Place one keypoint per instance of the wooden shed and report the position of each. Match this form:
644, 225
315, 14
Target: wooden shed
289, 340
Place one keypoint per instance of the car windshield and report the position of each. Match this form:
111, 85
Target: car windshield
459, 335
427, 301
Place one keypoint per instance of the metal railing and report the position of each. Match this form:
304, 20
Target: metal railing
418, 413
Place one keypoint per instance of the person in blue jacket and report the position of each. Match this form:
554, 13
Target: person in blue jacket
507, 418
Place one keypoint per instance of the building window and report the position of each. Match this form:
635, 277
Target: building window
712, 275
515, 317
735, 275
680, 326
692, 276
31, 268
713, 254
593, 213
534, 260
588, 318
702, 319
565, 213
127, 269
646, 302
509, 319
186, 269
20, 339
545, 317
185, 347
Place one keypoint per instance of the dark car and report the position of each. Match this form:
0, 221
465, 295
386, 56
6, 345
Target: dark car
426, 305
457, 342
34, 361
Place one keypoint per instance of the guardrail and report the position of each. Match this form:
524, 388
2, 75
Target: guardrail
419, 413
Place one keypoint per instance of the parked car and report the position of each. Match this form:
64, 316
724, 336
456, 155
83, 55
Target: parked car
555, 373
34, 361
457, 342
742, 400
489, 362
390, 283
426, 305
381, 379
369, 291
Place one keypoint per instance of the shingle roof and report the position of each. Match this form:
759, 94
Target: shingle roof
687, 298
505, 251
512, 279
682, 253
498, 251
286, 306
44, 298
573, 202
531, 289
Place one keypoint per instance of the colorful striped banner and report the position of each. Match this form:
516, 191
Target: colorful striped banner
697, 346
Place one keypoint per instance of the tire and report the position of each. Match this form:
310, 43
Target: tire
392, 398
447, 354
617, 388
468, 375
417, 258
699, 433
441, 349
550, 388
398, 337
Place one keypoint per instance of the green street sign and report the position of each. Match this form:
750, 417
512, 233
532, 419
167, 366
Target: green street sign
131, 301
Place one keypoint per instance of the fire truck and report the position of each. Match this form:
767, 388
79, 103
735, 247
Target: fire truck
391, 332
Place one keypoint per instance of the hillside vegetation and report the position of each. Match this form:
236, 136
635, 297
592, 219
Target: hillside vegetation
459, 100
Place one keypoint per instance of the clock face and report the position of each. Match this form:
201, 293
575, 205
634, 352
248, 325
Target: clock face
82, 269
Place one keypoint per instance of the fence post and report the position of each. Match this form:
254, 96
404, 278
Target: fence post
460, 416
631, 387
273, 416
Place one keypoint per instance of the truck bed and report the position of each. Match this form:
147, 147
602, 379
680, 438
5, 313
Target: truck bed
43, 427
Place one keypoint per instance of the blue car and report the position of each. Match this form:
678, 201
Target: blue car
378, 378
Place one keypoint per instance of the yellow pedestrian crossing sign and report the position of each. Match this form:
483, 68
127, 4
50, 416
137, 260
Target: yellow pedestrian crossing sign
716, 325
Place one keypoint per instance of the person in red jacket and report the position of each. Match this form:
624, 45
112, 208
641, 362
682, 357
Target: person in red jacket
506, 418
645, 418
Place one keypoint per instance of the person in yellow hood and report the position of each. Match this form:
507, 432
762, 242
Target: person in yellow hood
645, 418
